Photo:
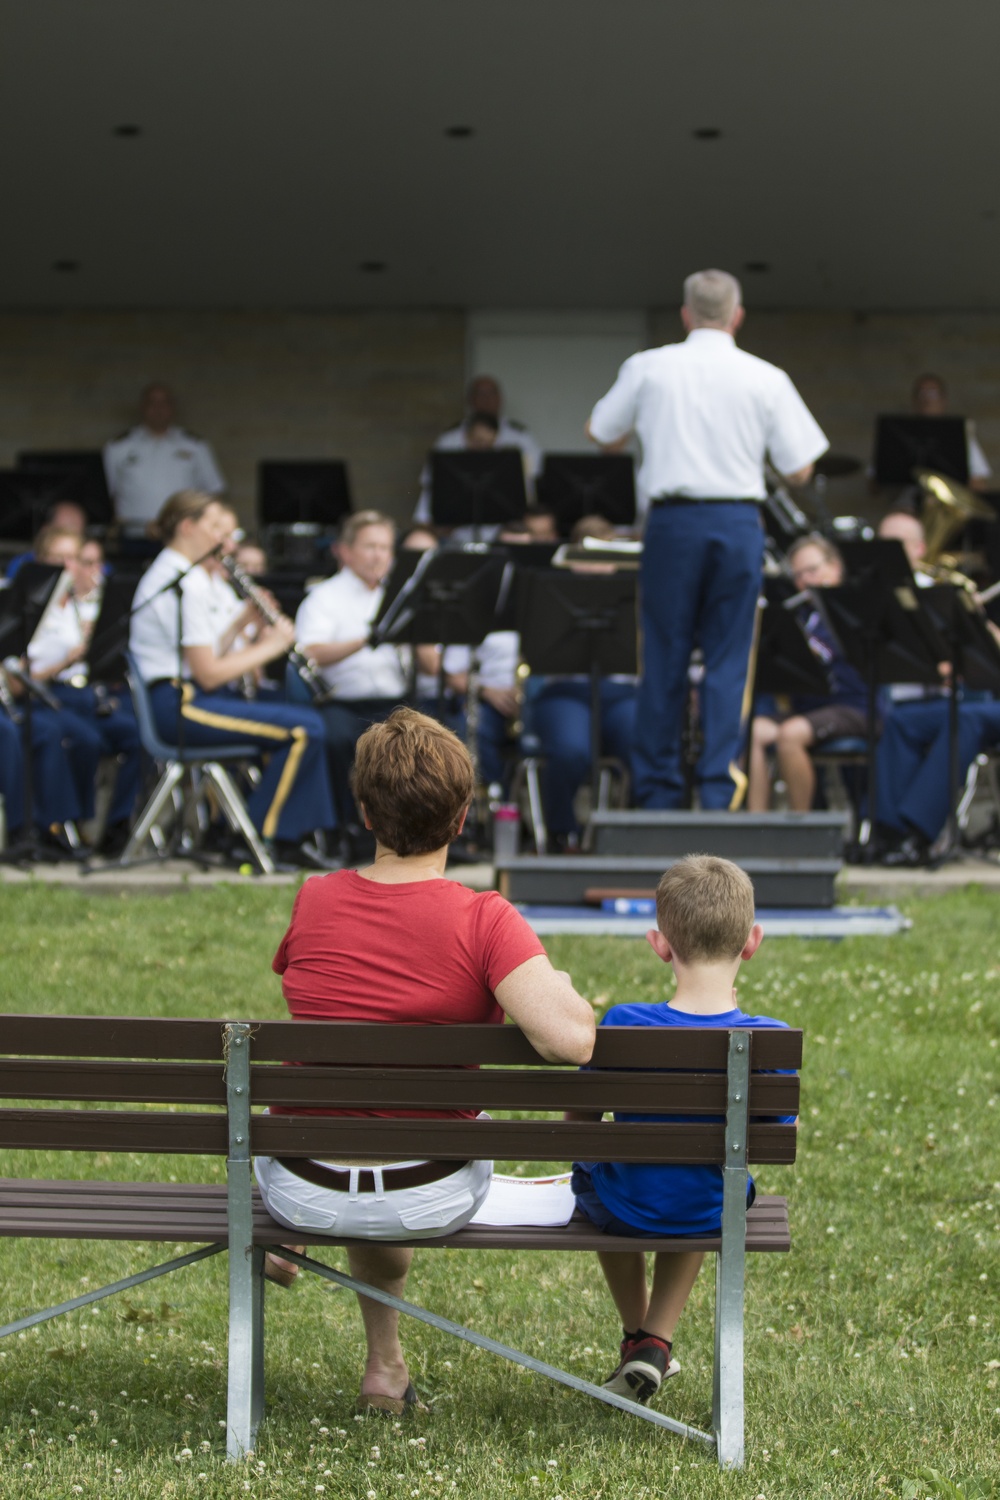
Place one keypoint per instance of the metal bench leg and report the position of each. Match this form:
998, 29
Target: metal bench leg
172, 774
245, 1404
236, 814
727, 1380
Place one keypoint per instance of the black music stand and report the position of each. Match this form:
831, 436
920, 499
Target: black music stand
885, 636
904, 443
785, 661
580, 623
21, 608
574, 485
25, 496
106, 650
74, 474
298, 502
449, 597
477, 488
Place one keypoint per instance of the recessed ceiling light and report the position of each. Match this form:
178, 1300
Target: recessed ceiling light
459, 132
127, 132
756, 265
372, 265
65, 265
707, 133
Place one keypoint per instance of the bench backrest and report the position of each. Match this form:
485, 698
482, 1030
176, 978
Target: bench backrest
183, 1072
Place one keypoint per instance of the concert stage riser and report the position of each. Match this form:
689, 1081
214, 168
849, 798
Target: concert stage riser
736, 836
567, 880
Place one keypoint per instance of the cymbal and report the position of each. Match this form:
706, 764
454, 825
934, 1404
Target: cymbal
836, 465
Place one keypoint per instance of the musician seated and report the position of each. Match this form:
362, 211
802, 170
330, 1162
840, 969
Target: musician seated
59, 747
333, 626
542, 524
811, 720
62, 515
105, 725
914, 786
184, 637
251, 557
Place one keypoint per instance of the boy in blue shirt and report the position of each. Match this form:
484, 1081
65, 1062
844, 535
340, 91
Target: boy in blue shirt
705, 928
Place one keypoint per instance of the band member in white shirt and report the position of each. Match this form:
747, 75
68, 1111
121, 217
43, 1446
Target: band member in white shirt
292, 798
333, 625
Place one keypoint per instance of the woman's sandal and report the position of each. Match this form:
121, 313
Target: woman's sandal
281, 1272
390, 1406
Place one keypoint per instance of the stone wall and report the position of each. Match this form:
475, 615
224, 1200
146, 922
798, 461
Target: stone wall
374, 388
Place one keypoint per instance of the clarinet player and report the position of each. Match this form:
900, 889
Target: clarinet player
292, 799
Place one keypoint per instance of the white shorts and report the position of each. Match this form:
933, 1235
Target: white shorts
386, 1214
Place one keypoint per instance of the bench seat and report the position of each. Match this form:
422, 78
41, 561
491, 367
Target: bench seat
197, 1213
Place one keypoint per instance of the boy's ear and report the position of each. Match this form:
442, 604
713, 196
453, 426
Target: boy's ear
659, 944
364, 816
753, 941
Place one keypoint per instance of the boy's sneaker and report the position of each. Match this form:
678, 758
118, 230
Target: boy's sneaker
645, 1363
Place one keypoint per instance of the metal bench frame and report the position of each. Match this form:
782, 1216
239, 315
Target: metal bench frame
632, 1065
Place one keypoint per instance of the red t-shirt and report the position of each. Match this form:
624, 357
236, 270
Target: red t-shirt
430, 952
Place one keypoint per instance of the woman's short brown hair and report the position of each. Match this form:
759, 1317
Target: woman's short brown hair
186, 505
414, 779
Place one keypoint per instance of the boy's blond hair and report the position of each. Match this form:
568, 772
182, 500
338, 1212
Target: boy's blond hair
705, 908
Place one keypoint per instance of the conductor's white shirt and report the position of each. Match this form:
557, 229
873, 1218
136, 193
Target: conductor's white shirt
143, 470
342, 609
707, 413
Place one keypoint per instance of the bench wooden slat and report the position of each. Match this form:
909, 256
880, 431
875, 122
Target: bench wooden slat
113, 1082
181, 1134
110, 1036
184, 1213
685, 1092
511, 1140
328, 1041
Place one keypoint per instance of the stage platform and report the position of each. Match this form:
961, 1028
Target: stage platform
824, 922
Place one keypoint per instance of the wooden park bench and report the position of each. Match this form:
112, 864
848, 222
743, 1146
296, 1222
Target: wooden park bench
216, 1071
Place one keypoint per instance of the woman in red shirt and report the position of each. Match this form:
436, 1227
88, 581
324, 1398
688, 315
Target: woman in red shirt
398, 941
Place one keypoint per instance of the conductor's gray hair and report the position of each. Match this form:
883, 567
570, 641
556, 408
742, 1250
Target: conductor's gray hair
712, 298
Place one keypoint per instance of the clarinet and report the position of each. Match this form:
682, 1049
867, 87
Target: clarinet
247, 589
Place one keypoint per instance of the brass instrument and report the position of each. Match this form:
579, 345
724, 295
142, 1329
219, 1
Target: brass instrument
247, 589
947, 508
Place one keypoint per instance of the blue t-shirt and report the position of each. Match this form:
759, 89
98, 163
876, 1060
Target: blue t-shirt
667, 1199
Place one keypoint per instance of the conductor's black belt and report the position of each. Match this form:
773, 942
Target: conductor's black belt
703, 500
392, 1177
161, 682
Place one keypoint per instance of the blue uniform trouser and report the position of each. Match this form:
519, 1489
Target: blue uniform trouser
699, 583
114, 733
913, 772
293, 795
494, 746
54, 738
560, 716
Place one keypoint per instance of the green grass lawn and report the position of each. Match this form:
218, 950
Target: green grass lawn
873, 1354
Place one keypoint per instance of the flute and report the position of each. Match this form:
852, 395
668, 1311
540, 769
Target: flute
247, 589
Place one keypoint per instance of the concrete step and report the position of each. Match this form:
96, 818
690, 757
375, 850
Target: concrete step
738, 836
568, 879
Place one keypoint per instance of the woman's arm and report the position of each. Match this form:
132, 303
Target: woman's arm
211, 671
541, 1000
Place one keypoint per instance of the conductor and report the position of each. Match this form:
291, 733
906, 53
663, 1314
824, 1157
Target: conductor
706, 414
